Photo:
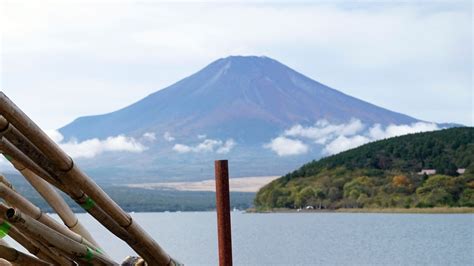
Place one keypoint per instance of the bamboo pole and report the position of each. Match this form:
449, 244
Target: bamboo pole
84, 200
19, 258
5, 181
35, 157
30, 243
47, 253
18, 237
55, 200
13, 153
75, 193
20, 141
73, 248
42, 251
30, 209
4, 262
35, 160
73, 174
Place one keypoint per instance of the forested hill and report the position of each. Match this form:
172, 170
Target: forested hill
383, 174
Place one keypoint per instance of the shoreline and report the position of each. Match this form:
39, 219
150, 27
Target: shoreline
435, 210
251, 184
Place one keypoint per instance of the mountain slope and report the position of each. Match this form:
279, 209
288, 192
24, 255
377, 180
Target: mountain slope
246, 98
383, 174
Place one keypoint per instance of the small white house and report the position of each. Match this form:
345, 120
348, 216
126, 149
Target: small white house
427, 172
461, 171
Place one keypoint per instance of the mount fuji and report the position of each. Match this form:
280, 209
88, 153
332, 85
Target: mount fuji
232, 109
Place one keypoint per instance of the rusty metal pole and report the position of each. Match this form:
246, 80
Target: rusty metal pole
223, 212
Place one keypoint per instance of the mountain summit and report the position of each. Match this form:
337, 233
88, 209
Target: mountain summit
248, 98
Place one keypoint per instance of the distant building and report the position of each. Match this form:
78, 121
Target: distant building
433, 171
427, 172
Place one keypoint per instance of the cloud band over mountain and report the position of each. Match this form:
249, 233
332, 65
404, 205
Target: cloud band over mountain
208, 145
335, 138
92, 147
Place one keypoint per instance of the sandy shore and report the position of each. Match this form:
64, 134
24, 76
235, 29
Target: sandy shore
241, 184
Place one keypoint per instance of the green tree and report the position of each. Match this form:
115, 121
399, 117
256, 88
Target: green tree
467, 198
307, 196
320, 196
360, 185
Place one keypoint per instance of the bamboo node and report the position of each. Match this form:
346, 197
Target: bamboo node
70, 226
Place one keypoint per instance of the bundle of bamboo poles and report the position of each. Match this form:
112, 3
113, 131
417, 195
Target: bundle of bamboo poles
45, 166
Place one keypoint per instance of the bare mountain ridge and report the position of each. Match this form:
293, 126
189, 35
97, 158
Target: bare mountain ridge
247, 98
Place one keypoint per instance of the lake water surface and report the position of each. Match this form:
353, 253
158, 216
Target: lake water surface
307, 238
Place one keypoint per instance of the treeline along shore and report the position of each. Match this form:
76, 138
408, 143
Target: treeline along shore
144, 200
423, 172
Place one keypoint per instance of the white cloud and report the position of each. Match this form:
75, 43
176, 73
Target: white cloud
150, 136
284, 146
323, 130
181, 148
203, 136
167, 136
55, 135
93, 147
208, 145
228, 145
377, 132
343, 143
339, 137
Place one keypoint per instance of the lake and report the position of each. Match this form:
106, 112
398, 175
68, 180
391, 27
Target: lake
307, 238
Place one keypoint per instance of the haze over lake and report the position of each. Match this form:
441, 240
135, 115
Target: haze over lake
307, 238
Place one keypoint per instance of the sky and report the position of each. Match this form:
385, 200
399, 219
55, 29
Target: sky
63, 59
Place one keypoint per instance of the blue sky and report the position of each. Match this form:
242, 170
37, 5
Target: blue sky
64, 59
